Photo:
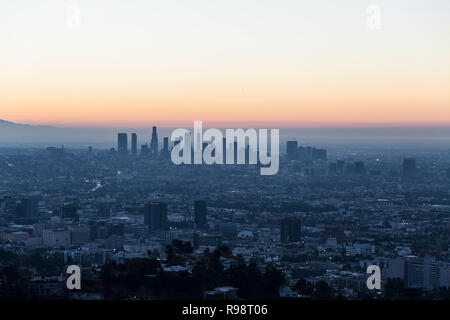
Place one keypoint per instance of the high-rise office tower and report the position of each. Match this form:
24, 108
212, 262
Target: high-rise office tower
134, 144
291, 150
224, 150
154, 143
165, 153
122, 143
29, 208
155, 215
166, 144
200, 213
409, 167
290, 230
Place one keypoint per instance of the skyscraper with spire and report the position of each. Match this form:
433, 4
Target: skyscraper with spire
154, 143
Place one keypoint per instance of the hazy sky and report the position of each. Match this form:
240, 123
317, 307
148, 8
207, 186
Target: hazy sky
135, 63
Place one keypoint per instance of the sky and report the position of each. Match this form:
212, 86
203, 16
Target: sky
228, 63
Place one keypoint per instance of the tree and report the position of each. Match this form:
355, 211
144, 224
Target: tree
323, 291
304, 287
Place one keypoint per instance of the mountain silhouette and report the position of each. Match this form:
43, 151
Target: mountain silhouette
12, 133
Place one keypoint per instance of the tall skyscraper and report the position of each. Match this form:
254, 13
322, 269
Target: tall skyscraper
409, 167
134, 144
154, 143
29, 208
200, 213
122, 143
291, 150
290, 230
224, 150
166, 144
155, 215
165, 153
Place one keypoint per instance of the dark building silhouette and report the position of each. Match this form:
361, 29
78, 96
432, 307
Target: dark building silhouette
134, 144
290, 230
29, 208
291, 150
447, 173
224, 150
409, 167
69, 211
200, 213
154, 143
122, 143
165, 153
155, 215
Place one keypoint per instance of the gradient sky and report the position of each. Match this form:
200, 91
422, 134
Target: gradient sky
135, 63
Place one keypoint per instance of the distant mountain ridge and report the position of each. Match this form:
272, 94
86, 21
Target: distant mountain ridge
8, 123
12, 133
5, 123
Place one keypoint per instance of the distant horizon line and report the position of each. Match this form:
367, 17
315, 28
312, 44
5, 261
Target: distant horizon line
235, 124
